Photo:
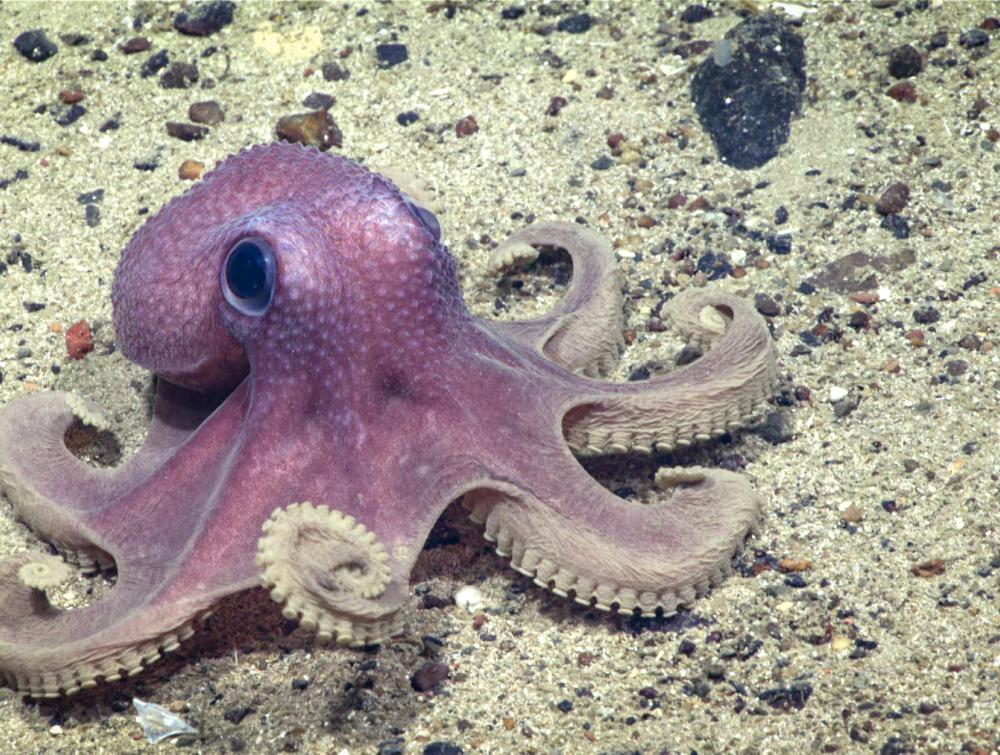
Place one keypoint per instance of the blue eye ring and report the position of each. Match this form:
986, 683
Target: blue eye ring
248, 276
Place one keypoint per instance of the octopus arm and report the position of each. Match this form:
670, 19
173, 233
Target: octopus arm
583, 333
716, 393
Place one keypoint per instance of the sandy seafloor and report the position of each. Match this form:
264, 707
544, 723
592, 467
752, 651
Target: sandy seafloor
866, 655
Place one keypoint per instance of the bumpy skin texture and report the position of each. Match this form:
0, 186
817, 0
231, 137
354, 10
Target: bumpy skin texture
362, 402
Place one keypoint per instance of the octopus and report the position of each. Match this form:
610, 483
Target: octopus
323, 393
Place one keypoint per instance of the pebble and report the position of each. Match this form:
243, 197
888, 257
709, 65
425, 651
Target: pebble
905, 61
208, 112
79, 340
973, 38
467, 126
179, 76
429, 675
35, 45
190, 170
206, 19
893, 199
134, 45
469, 598
904, 91
837, 393
186, 132
313, 129
391, 54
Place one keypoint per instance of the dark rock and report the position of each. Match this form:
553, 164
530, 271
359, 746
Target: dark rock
20, 144
746, 93
429, 676
898, 225
893, 199
938, 40
905, 61
205, 19
35, 45
237, 714
179, 76
766, 305
443, 748
90, 196
577, 24
394, 746
154, 64
565, 706
793, 696
696, 13
334, 72
973, 38
390, 55
300, 684
781, 216
776, 428
186, 132
135, 44
407, 118
714, 265
318, 101
780, 243
926, 315
604, 162
92, 215
512, 13
70, 115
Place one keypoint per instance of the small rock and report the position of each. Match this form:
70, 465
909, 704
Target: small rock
893, 199
429, 675
905, 61
973, 38
35, 45
208, 112
206, 19
837, 393
390, 55
335, 72
135, 44
179, 76
313, 129
926, 315
186, 132
469, 598
904, 91
577, 24
467, 126
927, 569
766, 305
79, 340
852, 514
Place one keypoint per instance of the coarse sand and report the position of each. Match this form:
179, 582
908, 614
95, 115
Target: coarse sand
863, 618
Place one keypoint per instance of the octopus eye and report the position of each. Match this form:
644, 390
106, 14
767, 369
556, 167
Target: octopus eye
248, 276
427, 218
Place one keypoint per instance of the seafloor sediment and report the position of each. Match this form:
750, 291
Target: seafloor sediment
864, 616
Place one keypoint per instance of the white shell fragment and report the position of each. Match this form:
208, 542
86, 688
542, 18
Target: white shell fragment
837, 394
469, 598
158, 723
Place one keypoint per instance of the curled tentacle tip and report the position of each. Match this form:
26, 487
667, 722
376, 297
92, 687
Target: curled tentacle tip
44, 572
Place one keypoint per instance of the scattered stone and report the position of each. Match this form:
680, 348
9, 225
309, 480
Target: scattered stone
565, 706
766, 305
577, 24
904, 91
429, 676
79, 340
927, 569
696, 13
318, 101
190, 170
746, 93
236, 714
154, 64
852, 514
469, 597
407, 118
205, 19
776, 428
313, 129
335, 72
467, 126
179, 76
390, 55
973, 38
893, 199
604, 162
837, 393
905, 61
186, 132
926, 315
135, 44
208, 112
443, 748
35, 45
795, 696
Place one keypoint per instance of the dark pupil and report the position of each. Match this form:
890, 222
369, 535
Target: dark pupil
247, 272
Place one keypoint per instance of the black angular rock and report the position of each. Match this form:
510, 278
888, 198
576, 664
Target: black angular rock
746, 93
35, 46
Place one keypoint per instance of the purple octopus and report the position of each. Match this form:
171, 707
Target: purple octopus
324, 393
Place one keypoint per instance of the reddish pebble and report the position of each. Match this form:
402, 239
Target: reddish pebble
315, 129
467, 126
79, 340
865, 297
676, 200
555, 105
893, 199
479, 621
904, 91
136, 44
70, 96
